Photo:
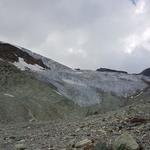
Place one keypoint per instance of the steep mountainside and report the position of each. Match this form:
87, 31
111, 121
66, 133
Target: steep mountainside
46, 105
146, 72
96, 132
41, 88
24, 98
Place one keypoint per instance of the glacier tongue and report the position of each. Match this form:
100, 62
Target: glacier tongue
88, 87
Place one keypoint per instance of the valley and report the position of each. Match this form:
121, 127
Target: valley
46, 105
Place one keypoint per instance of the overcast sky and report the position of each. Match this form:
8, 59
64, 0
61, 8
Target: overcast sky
85, 34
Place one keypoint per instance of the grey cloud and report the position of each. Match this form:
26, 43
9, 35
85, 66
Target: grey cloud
87, 34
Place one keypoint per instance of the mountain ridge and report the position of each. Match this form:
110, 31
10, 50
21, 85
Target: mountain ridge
84, 87
89, 92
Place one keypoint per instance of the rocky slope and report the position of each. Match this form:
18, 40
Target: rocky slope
24, 98
129, 125
46, 105
146, 72
32, 79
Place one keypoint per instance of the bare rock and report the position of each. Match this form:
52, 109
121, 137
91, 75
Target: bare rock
126, 140
20, 146
83, 143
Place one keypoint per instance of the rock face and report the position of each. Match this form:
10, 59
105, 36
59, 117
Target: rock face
110, 70
100, 146
83, 143
146, 72
20, 146
126, 140
12, 53
24, 98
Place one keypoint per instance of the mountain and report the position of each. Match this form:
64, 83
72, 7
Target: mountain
34, 87
146, 72
22, 96
46, 105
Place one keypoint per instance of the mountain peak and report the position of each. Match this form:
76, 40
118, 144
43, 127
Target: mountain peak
146, 72
13, 54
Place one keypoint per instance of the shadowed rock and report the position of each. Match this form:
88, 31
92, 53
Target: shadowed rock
11, 53
110, 70
146, 72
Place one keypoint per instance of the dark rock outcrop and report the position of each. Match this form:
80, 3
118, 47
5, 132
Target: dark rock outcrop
110, 70
11, 53
146, 72
77, 69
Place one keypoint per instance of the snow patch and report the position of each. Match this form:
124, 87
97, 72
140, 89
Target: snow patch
58, 93
79, 83
22, 65
8, 95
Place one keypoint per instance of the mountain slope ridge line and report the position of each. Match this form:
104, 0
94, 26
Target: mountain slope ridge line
84, 87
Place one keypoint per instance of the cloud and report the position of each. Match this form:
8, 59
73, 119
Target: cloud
140, 7
133, 41
102, 33
134, 2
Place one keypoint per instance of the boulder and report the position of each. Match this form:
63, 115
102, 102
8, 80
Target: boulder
126, 140
20, 146
83, 143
